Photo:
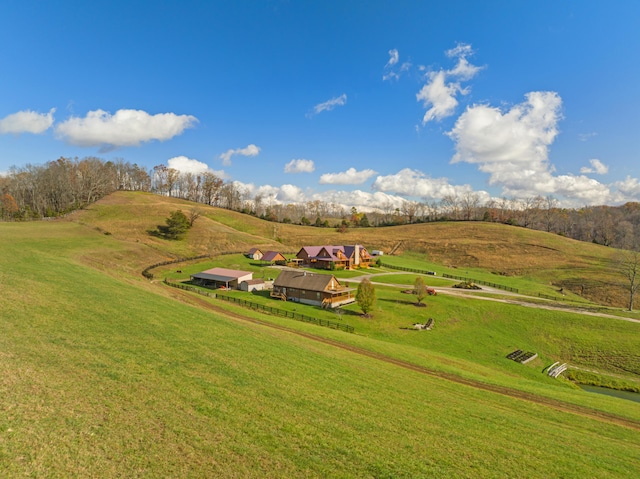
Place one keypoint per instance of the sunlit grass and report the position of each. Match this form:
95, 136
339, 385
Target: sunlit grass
104, 374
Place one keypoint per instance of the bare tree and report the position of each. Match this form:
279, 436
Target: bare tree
628, 265
470, 203
194, 214
549, 213
451, 206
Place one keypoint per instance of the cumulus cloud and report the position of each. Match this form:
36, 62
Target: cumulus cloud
300, 166
249, 150
413, 183
330, 104
349, 177
511, 146
26, 121
596, 167
187, 165
124, 128
274, 194
439, 94
629, 189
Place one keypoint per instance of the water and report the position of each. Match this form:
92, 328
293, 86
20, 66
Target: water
611, 392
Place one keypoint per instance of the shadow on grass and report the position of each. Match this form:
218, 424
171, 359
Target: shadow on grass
401, 301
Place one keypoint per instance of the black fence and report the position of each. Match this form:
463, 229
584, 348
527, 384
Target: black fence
149, 275
267, 309
449, 276
552, 298
479, 281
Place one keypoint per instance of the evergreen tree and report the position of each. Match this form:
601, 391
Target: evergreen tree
177, 225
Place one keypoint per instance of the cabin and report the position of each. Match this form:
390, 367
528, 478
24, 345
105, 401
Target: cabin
335, 257
254, 253
221, 278
314, 289
274, 257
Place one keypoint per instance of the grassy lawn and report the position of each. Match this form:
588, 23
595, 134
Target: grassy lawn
103, 374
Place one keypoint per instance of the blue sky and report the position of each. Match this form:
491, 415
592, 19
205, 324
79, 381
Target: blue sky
357, 103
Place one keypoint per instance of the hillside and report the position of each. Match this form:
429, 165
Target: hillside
506, 251
105, 374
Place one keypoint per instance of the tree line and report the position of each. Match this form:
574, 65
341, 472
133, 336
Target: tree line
64, 185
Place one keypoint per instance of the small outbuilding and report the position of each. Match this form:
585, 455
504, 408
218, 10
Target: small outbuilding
273, 257
254, 253
221, 278
251, 285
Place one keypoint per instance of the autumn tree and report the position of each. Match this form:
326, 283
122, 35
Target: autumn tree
8, 206
366, 297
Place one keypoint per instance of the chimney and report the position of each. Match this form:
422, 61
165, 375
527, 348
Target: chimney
357, 255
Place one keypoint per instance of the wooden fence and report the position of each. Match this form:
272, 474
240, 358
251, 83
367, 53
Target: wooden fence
449, 276
267, 309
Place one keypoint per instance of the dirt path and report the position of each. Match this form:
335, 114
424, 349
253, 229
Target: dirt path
514, 393
486, 289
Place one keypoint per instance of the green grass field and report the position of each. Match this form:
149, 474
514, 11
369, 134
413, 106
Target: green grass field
103, 374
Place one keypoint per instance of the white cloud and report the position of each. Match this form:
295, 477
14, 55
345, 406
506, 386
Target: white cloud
415, 184
629, 186
26, 121
390, 68
393, 58
250, 150
300, 166
511, 146
464, 70
124, 128
291, 194
330, 104
596, 167
439, 94
187, 165
349, 177
586, 136
274, 194
361, 200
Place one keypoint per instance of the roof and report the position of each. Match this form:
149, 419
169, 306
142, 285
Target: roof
254, 250
254, 281
307, 281
272, 256
332, 250
221, 274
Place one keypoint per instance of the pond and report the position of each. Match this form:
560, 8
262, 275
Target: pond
611, 392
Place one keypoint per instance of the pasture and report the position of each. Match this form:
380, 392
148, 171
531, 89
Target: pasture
105, 374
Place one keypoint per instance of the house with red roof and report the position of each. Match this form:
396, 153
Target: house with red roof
335, 256
273, 257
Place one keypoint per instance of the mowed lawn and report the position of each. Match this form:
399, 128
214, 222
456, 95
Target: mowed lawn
101, 377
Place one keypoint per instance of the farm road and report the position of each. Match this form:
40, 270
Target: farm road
477, 294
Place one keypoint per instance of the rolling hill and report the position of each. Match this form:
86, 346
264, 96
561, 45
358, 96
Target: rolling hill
105, 374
